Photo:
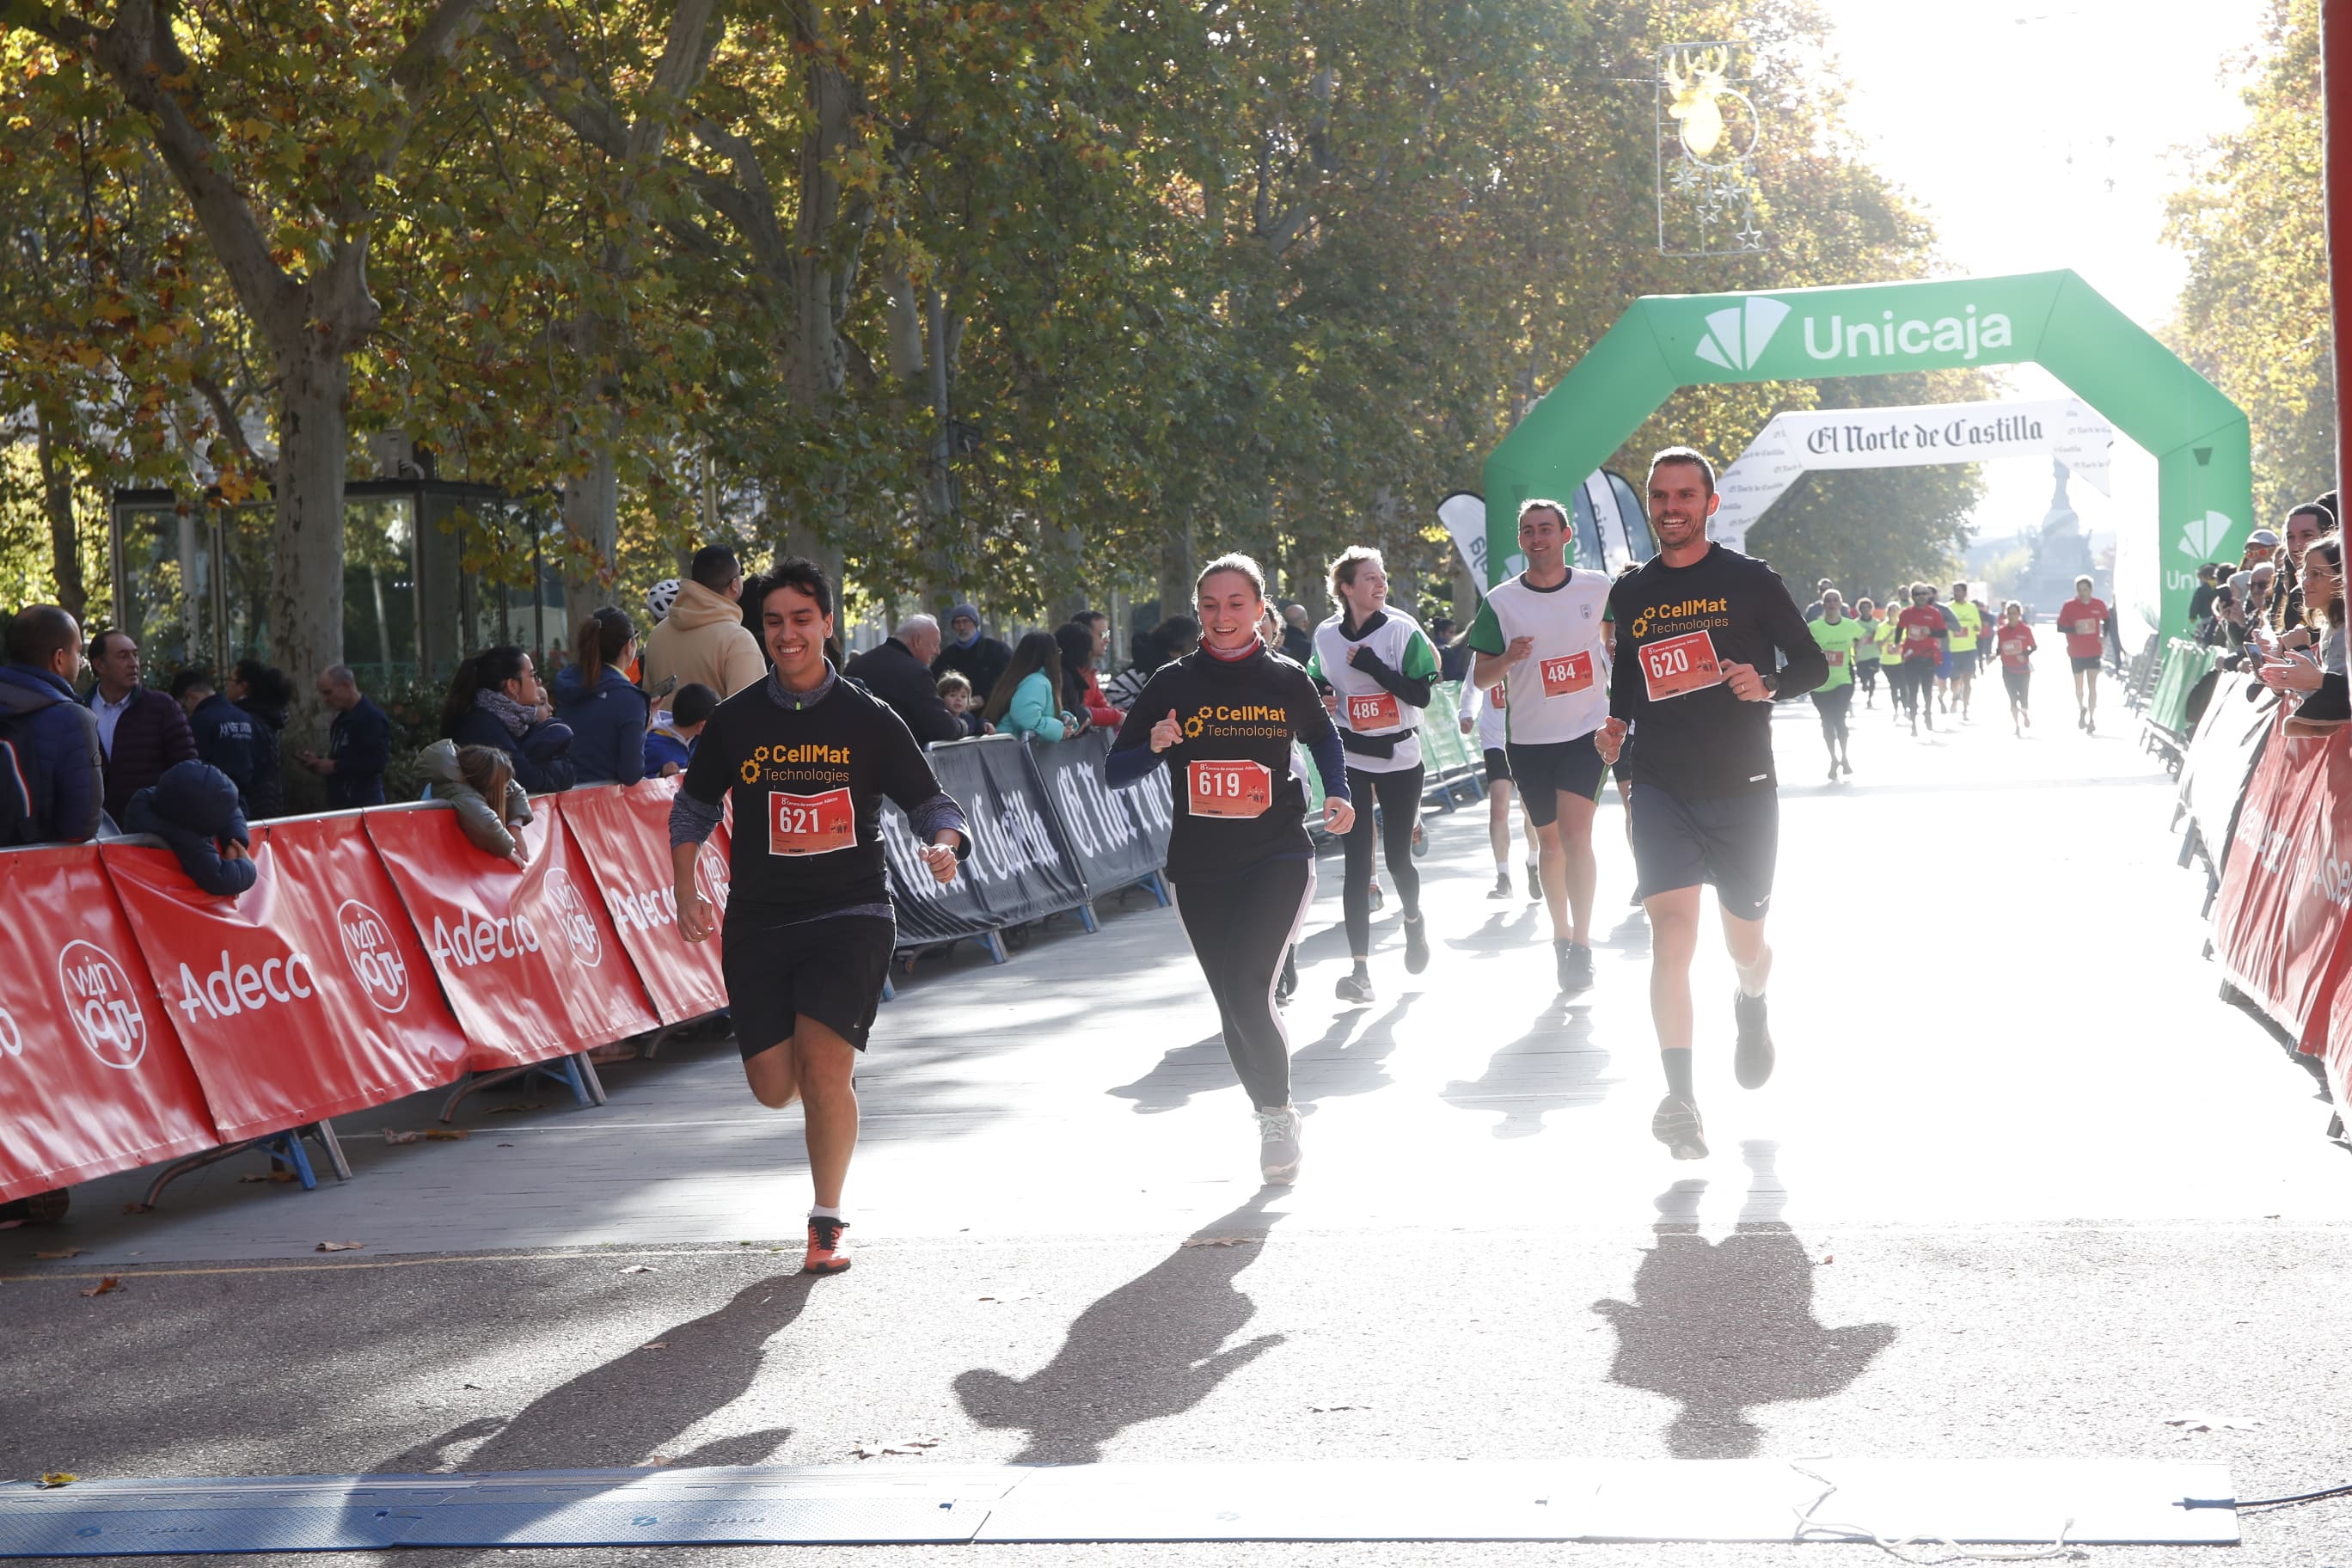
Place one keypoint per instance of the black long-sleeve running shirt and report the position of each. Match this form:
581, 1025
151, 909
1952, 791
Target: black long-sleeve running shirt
1674, 623
1243, 712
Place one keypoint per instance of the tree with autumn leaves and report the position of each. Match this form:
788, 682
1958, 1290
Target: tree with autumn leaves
1025, 301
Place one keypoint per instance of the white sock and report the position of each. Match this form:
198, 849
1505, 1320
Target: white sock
1751, 978
819, 1211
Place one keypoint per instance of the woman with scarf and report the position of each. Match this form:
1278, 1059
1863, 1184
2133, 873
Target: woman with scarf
496, 700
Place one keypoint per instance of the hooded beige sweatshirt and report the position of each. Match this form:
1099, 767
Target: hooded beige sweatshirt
704, 640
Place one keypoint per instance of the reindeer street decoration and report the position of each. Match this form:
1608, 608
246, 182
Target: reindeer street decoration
1708, 130
1695, 99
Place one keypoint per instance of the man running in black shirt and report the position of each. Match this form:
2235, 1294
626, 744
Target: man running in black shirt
1698, 628
808, 758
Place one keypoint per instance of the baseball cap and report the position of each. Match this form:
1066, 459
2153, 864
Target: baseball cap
2263, 536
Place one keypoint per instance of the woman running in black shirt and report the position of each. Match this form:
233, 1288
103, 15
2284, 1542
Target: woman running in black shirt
1239, 858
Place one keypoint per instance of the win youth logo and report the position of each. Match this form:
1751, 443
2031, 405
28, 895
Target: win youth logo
1736, 338
2200, 536
105, 1010
374, 957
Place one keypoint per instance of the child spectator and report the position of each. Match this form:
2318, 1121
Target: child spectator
669, 744
955, 690
471, 778
194, 809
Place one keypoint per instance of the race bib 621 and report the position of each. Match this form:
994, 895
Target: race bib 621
811, 824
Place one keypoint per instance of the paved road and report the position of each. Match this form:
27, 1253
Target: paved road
2023, 1186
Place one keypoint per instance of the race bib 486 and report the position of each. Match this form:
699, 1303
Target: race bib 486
811, 824
1377, 710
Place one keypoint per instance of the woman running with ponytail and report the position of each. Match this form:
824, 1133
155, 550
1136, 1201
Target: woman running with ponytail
1243, 870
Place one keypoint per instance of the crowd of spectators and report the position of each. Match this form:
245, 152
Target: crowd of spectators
90, 749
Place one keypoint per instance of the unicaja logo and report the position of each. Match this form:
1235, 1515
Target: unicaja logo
2200, 536
1736, 338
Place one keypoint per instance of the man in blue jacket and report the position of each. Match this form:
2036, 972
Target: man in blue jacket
358, 743
50, 738
224, 732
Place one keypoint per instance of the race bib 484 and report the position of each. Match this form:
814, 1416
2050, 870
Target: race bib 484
1566, 676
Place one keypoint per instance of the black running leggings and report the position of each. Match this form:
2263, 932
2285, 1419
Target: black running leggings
1400, 798
1833, 702
1240, 928
1866, 673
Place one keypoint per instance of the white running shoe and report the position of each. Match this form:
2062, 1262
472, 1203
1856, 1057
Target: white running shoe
1278, 1153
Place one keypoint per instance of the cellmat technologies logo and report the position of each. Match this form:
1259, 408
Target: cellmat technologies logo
1736, 338
2200, 536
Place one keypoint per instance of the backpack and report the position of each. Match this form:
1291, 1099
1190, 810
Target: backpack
17, 823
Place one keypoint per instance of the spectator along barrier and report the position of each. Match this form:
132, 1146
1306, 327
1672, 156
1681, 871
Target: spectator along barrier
2283, 911
380, 955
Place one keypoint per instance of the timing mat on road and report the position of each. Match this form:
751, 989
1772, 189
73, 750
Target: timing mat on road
2089, 1501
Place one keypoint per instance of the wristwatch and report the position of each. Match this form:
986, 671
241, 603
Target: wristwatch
1772, 684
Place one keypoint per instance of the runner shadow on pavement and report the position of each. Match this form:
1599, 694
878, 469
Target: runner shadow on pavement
1336, 1065
635, 1406
1724, 1327
1148, 1350
1553, 1067
1500, 931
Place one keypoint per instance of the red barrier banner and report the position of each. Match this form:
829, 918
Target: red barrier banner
307, 995
2279, 922
623, 835
92, 1077
528, 959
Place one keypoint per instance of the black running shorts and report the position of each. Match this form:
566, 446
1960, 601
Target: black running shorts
1733, 842
1964, 663
1498, 766
2084, 663
830, 968
1548, 769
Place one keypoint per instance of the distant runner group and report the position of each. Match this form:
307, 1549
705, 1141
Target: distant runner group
1667, 673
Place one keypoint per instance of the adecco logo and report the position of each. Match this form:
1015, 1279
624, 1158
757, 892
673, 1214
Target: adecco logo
105, 1012
2200, 536
245, 988
1736, 338
375, 958
572, 916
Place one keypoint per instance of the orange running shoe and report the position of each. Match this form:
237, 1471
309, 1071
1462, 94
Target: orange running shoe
828, 1253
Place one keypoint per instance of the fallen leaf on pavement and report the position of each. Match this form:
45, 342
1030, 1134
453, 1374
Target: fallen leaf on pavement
138, 1208
658, 1460
1217, 1241
58, 1479
2202, 1423
1328, 1409
657, 1345
474, 1387
518, 1107
902, 1445
445, 1135
394, 1135
1023, 1296
110, 1282
341, 1246
68, 1252
638, 1269
1829, 1259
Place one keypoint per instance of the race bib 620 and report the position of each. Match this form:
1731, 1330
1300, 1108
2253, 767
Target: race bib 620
1377, 711
811, 824
1240, 789
1679, 664
1563, 677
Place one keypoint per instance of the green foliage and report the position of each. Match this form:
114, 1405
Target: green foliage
2255, 314
1023, 300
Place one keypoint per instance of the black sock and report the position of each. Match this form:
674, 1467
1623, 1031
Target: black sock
1678, 1072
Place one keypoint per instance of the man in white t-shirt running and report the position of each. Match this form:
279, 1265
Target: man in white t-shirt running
1545, 635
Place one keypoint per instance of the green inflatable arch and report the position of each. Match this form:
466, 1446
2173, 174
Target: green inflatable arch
2198, 437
